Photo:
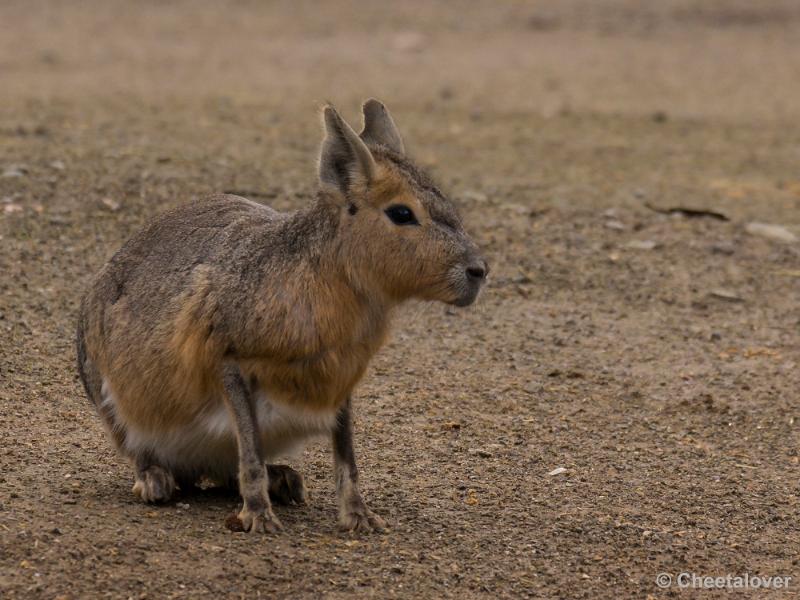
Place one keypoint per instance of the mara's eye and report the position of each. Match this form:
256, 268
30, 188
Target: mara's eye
401, 215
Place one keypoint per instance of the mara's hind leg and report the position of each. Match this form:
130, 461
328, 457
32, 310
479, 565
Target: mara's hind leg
96, 389
286, 485
153, 482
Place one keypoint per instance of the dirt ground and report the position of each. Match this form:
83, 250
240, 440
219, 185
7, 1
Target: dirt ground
653, 356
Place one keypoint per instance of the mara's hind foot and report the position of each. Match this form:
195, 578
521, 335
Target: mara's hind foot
154, 484
286, 485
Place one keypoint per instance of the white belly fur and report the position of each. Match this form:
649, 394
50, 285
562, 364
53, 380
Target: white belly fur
207, 445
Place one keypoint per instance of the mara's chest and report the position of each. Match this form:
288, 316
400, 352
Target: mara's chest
314, 359
319, 382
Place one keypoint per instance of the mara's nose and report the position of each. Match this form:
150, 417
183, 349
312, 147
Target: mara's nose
478, 270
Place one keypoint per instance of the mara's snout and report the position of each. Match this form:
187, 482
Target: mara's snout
224, 333
472, 278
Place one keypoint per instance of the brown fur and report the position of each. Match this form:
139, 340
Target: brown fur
299, 302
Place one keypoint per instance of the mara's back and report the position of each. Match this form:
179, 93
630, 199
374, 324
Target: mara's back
156, 264
139, 311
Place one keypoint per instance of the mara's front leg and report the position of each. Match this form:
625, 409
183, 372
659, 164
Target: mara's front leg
353, 512
256, 514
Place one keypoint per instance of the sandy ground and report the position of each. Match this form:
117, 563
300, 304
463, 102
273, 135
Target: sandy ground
652, 356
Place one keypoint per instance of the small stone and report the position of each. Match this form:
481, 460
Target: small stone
483, 453
723, 248
474, 196
182, 505
234, 523
57, 165
446, 93
615, 225
111, 204
408, 41
773, 232
12, 172
541, 23
641, 245
728, 295
557, 471
660, 116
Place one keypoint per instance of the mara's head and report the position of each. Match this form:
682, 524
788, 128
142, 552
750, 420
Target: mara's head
397, 231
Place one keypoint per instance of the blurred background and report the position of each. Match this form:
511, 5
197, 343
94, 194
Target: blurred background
721, 58
502, 87
621, 402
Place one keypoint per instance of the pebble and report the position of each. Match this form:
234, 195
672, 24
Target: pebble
557, 471
641, 245
773, 232
728, 295
408, 41
474, 196
13, 171
483, 453
111, 204
724, 248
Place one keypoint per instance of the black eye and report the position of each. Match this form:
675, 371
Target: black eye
401, 215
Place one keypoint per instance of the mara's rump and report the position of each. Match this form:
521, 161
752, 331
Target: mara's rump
205, 442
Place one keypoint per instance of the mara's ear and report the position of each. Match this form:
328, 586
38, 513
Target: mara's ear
379, 128
344, 157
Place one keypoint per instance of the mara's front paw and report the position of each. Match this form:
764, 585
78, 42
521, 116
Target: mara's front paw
357, 517
259, 521
154, 484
